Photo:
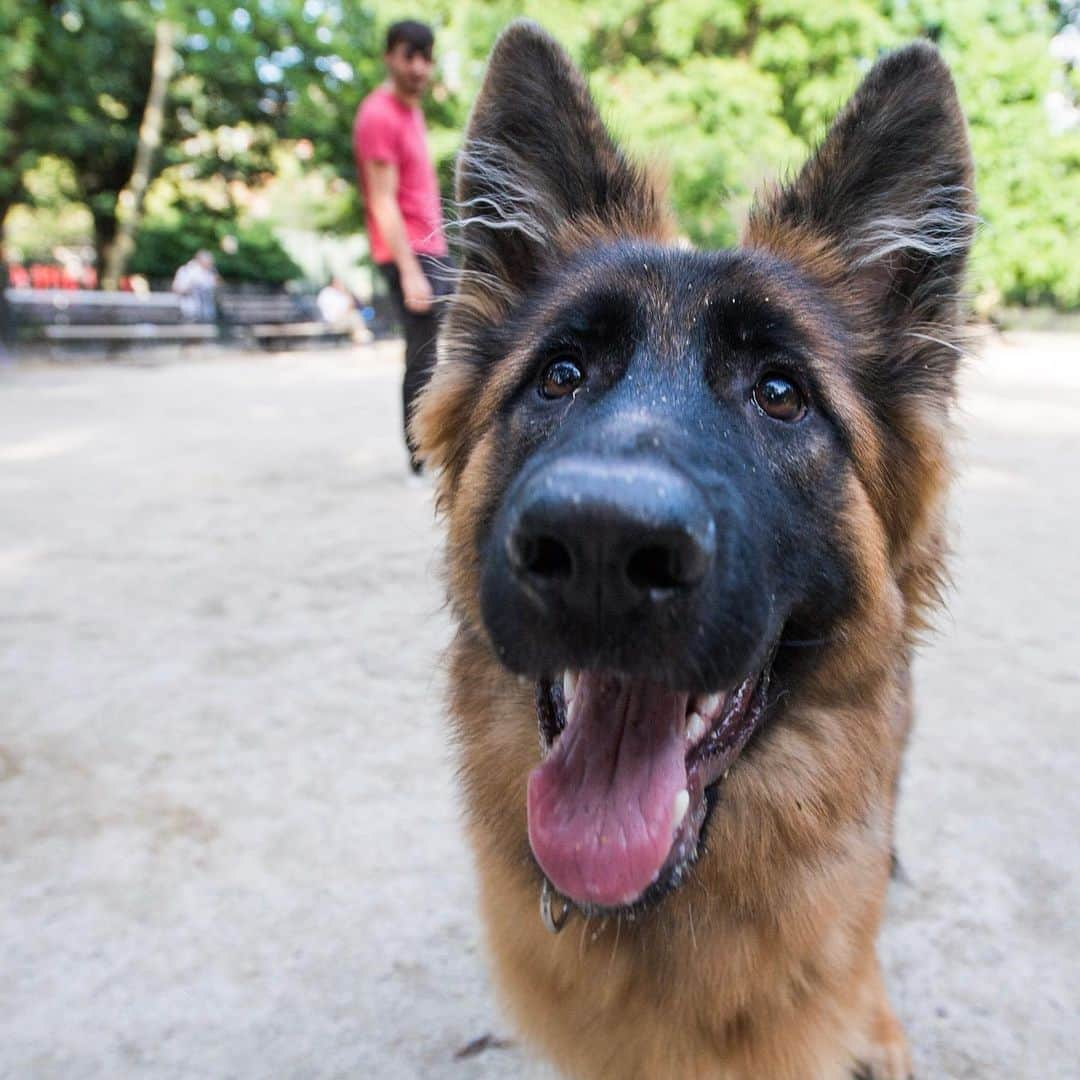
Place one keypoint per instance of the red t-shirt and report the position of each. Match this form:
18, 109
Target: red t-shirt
387, 129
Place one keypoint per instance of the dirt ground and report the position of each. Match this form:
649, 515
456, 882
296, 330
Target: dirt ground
229, 840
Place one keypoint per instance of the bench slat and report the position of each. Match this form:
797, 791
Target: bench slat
132, 332
304, 329
72, 317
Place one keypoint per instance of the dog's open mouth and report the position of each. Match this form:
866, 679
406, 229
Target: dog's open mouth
617, 806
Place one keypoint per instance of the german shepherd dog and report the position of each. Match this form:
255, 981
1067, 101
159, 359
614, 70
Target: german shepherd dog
694, 509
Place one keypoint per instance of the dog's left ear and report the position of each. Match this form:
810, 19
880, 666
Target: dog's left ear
884, 211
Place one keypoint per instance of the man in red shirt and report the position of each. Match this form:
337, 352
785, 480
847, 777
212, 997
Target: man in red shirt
402, 204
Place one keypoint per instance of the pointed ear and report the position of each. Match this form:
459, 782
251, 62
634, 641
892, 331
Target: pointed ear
538, 173
885, 207
538, 177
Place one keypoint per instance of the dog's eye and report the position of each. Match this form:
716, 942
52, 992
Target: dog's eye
777, 396
561, 377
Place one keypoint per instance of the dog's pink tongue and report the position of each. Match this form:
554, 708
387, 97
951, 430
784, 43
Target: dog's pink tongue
602, 807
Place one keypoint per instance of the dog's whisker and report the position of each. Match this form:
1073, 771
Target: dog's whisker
615, 944
581, 938
959, 350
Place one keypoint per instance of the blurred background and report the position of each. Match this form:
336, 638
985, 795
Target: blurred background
230, 844
246, 136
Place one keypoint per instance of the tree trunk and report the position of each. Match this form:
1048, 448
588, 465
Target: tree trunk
7, 321
104, 237
7, 201
129, 202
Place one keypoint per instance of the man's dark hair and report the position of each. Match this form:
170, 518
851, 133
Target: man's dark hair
416, 35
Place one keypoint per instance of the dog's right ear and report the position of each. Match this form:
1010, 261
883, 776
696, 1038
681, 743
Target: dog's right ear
538, 177
538, 174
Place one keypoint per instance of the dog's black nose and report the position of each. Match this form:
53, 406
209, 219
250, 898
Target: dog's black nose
603, 537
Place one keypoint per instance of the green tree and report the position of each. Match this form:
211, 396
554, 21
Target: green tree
723, 92
728, 92
90, 75
20, 30
76, 87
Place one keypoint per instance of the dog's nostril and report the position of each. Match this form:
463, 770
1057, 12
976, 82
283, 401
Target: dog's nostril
544, 556
656, 567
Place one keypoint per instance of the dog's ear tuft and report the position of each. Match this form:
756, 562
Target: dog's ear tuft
884, 210
538, 164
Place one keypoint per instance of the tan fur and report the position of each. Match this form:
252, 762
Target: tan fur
764, 960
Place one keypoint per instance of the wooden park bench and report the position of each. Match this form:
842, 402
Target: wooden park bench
70, 320
275, 320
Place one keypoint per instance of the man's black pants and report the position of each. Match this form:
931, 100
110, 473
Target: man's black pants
421, 333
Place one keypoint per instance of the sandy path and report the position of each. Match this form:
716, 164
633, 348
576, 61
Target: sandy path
229, 845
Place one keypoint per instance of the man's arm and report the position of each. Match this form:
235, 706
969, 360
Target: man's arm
381, 181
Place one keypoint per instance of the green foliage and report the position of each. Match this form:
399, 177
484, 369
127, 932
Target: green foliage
77, 94
55, 218
723, 93
295, 68
20, 31
730, 92
74, 83
731, 134
243, 253
1027, 176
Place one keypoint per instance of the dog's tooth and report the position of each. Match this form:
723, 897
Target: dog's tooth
569, 684
709, 704
696, 728
679, 808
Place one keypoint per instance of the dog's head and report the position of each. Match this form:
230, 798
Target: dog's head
684, 486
